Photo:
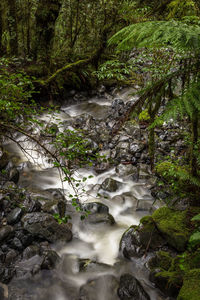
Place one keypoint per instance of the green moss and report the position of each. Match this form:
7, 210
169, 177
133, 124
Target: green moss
148, 223
172, 224
191, 286
164, 260
174, 279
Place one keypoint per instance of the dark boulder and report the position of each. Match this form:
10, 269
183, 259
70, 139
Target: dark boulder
103, 287
131, 289
14, 216
45, 226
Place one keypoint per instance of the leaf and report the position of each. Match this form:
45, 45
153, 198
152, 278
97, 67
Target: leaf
195, 238
196, 218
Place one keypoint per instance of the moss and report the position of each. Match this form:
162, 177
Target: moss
191, 286
173, 278
165, 260
148, 223
172, 224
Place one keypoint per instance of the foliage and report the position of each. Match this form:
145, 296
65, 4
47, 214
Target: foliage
16, 90
144, 115
113, 69
60, 219
176, 34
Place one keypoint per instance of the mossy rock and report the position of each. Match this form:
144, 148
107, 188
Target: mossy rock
172, 224
191, 286
162, 260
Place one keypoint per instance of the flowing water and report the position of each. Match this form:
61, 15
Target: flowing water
96, 242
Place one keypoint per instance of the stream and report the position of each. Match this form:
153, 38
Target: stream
91, 263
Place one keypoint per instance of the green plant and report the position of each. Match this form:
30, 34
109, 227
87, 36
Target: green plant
144, 115
60, 219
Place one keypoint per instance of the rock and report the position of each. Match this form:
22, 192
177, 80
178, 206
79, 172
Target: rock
99, 213
106, 285
14, 216
15, 243
26, 268
96, 207
31, 251
136, 147
87, 265
126, 169
25, 237
110, 185
7, 274
131, 288
133, 130
31, 205
13, 175
167, 282
97, 218
5, 231
139, 239
50, 259
4, 160
54, 207
172, 224
10, 256
45, 226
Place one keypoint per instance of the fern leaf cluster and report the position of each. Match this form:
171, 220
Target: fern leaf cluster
185, 105
178, 35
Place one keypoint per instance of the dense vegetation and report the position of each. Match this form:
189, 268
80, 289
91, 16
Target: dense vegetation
48, 46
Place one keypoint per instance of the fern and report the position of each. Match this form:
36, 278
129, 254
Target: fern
185, 105
178, 35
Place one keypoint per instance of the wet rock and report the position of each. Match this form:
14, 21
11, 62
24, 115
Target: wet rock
117, 108
10, 256
25, 237
5, 231
131, 288
106, 285
14, 216
111, 185
158, 277
56, 194
25, 268
4, 159
126, 169
138, 239
54, 207
96, 207
31, 251
50, 259
46, 227
13, 175
123, 145
15, 243
87, 265
97, 218
133, 130
31, 205
7, 274
10, 185
136, 147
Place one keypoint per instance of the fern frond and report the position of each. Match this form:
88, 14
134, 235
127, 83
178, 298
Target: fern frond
178, 35
185, 105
